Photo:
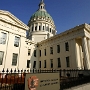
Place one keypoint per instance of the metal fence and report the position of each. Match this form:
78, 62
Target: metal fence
15, 79
71, 78
12, 80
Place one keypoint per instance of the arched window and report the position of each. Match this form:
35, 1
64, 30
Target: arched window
39, 27
35, 28
41, 7
50, 29
43, 27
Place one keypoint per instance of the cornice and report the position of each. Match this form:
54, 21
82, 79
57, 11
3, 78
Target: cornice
12, 23
30, 41
87, 27
22, 25
79, 27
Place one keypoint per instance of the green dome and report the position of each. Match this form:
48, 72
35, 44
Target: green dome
40, 13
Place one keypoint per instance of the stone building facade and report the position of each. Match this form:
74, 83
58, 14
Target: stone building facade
41, 48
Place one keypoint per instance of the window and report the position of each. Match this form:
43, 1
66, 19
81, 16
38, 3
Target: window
16, 42
34, 64
29, 50
34, 53
58, 48
40, 52
59, 63
1, 57
41, 7
39, 27
39, 64
43, 27
51, 50
45, 52
14, 59
51, 60
35, 27
3, 37
44, 63
28, 63
67, 62
50, 29
67, 46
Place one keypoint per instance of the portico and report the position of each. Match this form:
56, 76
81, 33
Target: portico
82, 52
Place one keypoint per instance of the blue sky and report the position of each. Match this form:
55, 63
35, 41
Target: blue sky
65, 13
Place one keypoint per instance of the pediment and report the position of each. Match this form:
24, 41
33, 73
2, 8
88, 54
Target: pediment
10, 18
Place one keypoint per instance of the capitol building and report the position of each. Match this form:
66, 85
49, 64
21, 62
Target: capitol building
41, 47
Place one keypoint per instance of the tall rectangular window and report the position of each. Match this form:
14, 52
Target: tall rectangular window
29, 50
16, 41
39, 64
51, 62
14, 59
40, 52
59, 63
44, 63
28, 63
1, 57
34, 64
67, 62
67, 46
45, 52
3, 37
58, 48
34, 53
51, 50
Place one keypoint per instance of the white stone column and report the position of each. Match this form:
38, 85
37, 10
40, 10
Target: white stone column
33, 27
41, 26
89, 47
86, 54
77, 53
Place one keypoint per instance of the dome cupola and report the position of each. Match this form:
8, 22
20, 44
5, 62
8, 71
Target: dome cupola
41, 24
42, 5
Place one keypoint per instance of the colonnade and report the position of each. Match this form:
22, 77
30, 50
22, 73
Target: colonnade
42, 27
86, 51
83, 60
